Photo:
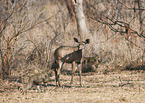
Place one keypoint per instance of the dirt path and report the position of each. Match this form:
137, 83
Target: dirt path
126, 87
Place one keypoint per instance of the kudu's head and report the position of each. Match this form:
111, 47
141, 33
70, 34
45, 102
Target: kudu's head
82, 43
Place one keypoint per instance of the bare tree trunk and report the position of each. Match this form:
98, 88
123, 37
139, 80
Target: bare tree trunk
83, 31
2, 65
70, 8
140, 14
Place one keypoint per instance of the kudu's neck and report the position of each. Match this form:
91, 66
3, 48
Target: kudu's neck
82, 48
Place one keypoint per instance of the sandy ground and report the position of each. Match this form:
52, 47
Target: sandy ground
123, 87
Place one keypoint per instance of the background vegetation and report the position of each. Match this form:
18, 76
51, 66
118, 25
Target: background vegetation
30, 31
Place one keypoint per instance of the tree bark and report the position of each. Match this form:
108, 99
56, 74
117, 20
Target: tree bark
70, 8
83, 31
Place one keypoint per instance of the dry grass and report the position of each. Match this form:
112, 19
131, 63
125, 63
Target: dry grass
97, 88
116, 52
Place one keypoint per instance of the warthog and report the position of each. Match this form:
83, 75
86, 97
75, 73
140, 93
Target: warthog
37, 79
91, 63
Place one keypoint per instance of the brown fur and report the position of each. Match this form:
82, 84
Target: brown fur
95, 60
37, 79
69, 54
91, 63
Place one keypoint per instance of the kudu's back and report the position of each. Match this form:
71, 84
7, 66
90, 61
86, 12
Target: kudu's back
68, 54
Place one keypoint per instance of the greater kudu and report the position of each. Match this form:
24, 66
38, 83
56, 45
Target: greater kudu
69, 54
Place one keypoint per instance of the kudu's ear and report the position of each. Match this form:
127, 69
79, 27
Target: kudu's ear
87, 41
76, 40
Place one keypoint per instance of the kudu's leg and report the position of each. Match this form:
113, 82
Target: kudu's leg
57, 73
56, 77
73, 71
80, 73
